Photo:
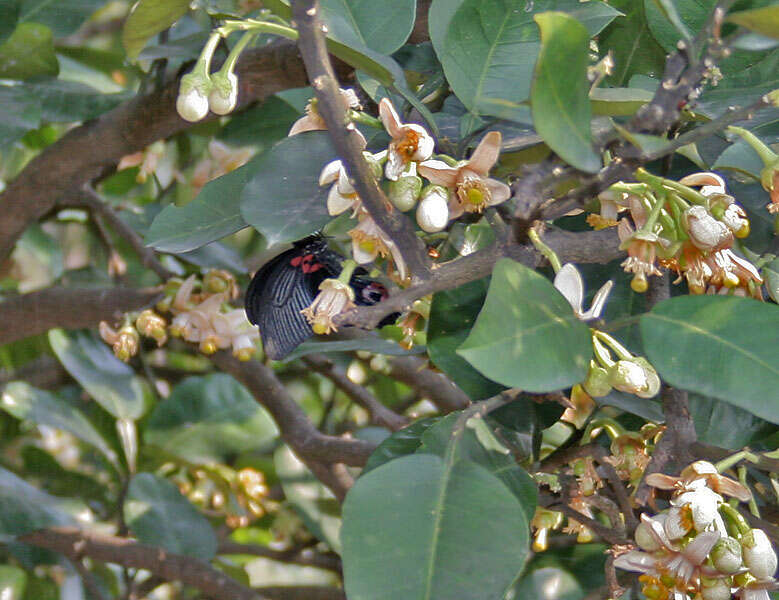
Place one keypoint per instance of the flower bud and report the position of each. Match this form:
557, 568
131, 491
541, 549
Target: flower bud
715, 589
736, 220
192, 101
152, 325
433, 209
217, 281
633, 376
706, 232
759, 556
374, 162
404, 192
644, 538
652, 378
726, 555
224, 93
597, 383
127, 343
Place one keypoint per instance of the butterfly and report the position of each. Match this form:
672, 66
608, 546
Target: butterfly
289, 283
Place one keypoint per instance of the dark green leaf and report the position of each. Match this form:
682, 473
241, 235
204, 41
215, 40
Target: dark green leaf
20, 112
368, 343
559, 96
67, 101
401, 443
437, 523
261, 125
282, 198
452, 315
668, 10
147, 18
383, 27
157, 514
9, 15
107, 379
762, 20
724, 425
24, 508
28, 53
743, 86
488, 47
526, 335
43, 408
618, 102
207, 419
723, 347
61, 17
213, 214
58, 480
771, 276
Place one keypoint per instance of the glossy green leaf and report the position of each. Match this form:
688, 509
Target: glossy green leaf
437, 523
282, 198
723, 347
28, 53
157, 514
488, 47
452, 315
559, 96
618, 102
383, 27
526, 335
20, 112
771, 276
43, 408
147, 18
13, 582
742, 87
207, 419
107, 379
262, 125
401, 443
633, 47
66, 101
213, 214
761, 20
61, 17
724, 425
315, 504
478, 444
24, 508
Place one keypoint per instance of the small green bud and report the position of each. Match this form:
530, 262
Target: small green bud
192, 101
726, 555
224, 93
404, 192
597, 383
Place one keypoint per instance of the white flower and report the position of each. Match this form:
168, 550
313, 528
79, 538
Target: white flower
234, 328
759, 555
369, 241
699, 470
409, 142
703, 504
312, 121
342, 195
192, 101
433, 209
568, 282
711, 183
706, 232
473, 190
224, 93
334, 298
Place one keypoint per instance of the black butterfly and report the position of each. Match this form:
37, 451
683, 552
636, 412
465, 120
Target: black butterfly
289, 283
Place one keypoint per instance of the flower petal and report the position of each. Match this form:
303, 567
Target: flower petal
486, 153
330, 172
395, 164
305, 123
635, 560
337, 202
599, 301
390, 118
362, 256
499, 191
698, 549
711, 182
569, 283
438, 172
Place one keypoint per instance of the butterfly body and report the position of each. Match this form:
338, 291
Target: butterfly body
288, 283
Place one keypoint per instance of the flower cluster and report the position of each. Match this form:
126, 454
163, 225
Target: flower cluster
692, 232
700, 547
201, 314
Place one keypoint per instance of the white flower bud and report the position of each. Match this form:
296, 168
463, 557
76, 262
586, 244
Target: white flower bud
433, 209
224, 93
635, 376
192, 101
706, 232
736, 220
759, 556
715, 589
645, 539
726, 555
404, 192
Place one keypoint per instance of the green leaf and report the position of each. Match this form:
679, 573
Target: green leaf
762, 20
41, 407
62, 17
262, 125
742, 87
157, 514
527, 336
383, 27
213, 214
207, 419
668, 10
315, 504
28, 53
771, 276
24, 508
488, 47
722, 347
452, 315
633, 47
13, 581
437, 523
618, 102
107, 379
478, 444
725, 425
401, 443
67, 101
147, 18
61, 481
9, 15
282, 198
559, 96
20, 112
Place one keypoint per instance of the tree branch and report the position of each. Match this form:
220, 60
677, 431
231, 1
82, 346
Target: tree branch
73, 542
71, 308
297, 556
347, 143
436, 387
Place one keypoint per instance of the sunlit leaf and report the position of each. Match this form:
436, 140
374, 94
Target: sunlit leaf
147, 18
28, 53
61, 17
761, 20
382, 27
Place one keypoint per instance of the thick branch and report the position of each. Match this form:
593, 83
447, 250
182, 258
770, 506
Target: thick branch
73, 542
436, 387
380, 414
347, 143
71, 308
308, 443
